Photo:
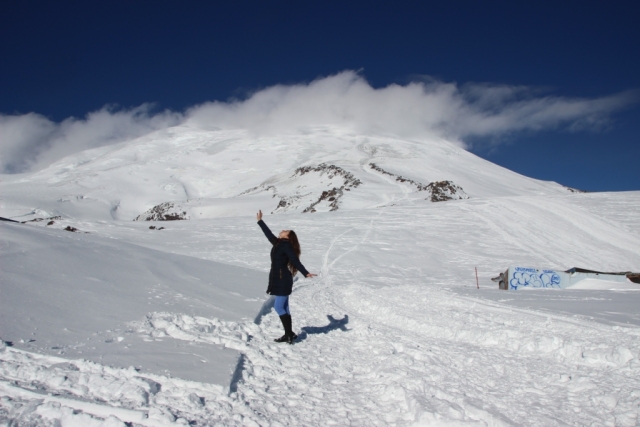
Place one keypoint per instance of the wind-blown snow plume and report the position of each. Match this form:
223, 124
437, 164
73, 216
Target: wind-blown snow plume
421, 109
31, 141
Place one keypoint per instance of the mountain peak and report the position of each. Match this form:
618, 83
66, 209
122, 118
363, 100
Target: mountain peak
196, 173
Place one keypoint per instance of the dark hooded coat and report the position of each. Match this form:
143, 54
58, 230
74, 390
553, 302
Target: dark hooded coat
280, 278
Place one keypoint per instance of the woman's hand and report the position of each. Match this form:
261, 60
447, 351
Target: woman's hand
311, 275
259, 215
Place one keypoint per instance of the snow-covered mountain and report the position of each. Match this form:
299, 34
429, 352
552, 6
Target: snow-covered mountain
136, 323
185, 172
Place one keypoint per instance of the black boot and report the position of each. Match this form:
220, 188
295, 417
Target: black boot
291, 333
285, 322
288, 336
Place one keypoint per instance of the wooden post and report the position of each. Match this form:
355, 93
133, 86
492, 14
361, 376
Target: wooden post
477, 284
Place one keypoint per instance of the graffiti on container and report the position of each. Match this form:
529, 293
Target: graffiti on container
533, 278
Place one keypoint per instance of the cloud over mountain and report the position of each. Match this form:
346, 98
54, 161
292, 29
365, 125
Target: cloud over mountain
422, 109
31, 141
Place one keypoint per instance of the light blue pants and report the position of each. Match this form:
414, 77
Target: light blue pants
281, 305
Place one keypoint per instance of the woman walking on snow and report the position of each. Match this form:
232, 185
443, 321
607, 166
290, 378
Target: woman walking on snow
285, 263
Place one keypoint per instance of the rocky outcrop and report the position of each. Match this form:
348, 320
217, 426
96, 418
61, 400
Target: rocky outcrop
399, 178
332, 196
574, 190
51, 218
440, 191
167, 211
302, 187
332, 171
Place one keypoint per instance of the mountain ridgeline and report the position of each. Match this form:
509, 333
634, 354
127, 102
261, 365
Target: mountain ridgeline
184, 173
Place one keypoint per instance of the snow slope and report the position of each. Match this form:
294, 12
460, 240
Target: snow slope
228, 173
392, 332
75, 294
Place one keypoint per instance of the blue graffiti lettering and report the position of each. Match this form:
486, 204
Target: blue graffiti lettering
530, 270
531, 278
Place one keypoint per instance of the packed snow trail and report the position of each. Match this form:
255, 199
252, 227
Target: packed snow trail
466, 366
465, 363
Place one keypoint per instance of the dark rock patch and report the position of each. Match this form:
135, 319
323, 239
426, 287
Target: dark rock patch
442, 191
350, 181
399, 178
292, 201
8, 220
286, 202
335, 194
332, 196
43, 219
163, 212
575, 190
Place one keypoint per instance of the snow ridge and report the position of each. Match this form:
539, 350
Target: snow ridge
440, 191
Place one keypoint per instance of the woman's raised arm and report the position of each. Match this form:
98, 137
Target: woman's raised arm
273, 239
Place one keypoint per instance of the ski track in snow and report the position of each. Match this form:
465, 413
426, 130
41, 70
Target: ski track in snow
381, 341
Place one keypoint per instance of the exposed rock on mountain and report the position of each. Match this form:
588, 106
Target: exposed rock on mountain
575, 190
51, 218
167, 211
201, 173
445, 190
440, 190
399, 178
300, 189
332, 197
350, 181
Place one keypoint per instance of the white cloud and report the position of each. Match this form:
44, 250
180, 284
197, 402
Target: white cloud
422, 109
31, 141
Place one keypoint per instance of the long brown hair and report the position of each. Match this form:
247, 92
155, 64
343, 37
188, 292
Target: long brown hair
293, 239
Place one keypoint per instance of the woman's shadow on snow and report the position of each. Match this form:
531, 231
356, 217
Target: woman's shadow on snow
332, 326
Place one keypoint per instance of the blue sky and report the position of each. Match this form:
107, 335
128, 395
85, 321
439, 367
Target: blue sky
63, 59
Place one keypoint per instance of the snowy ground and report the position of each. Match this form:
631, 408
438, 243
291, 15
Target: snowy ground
393, 332
118, 324
74, 294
